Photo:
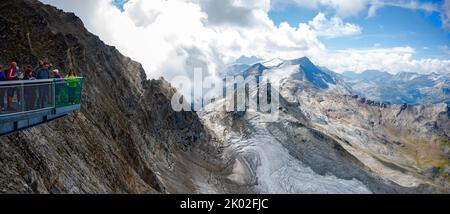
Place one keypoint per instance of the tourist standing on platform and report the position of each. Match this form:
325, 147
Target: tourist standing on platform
11, 75
72, 83
39, 66
30, 89
44, 90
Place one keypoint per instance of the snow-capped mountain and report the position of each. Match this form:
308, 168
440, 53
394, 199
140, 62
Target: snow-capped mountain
234, 69
302, 69
326, 140
402, 88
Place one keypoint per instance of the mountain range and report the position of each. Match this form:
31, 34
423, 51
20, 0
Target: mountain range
350, 143
405, 87
128, 139
402, 88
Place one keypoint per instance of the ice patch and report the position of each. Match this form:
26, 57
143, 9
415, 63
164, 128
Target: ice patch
277, 171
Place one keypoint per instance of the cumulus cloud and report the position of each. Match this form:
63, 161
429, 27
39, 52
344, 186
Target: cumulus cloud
141, 14
234, 12
333, 27
176, 28
172, 38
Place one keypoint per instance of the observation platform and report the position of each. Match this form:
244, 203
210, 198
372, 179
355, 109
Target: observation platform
36, 102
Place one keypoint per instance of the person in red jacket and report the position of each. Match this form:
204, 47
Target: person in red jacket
11, 75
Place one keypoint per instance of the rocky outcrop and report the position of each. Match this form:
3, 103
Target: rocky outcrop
397, 142
125, 139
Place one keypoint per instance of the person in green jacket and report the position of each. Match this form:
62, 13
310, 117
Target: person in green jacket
72, 84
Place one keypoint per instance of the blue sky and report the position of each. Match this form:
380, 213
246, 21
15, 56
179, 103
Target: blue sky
392, 26
119, 3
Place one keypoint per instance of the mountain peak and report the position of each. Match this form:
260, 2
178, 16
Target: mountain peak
273, 62
302, 61
316, 76
255, 70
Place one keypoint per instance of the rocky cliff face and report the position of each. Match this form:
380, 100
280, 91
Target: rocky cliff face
398, 142
125, 139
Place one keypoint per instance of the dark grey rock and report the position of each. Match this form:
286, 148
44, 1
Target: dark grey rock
432, 173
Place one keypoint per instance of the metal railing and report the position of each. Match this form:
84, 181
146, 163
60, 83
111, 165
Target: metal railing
26, 96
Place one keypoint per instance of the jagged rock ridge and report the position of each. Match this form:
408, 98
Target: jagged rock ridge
125, 139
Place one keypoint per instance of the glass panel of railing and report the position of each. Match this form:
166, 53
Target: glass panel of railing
37, 96
68, 91
24, 96
10, 99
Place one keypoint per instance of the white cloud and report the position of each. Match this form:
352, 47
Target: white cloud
141, 14
343, 8
392, 60
445, 15
234, 12
333, 27
408, 4
173, 37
